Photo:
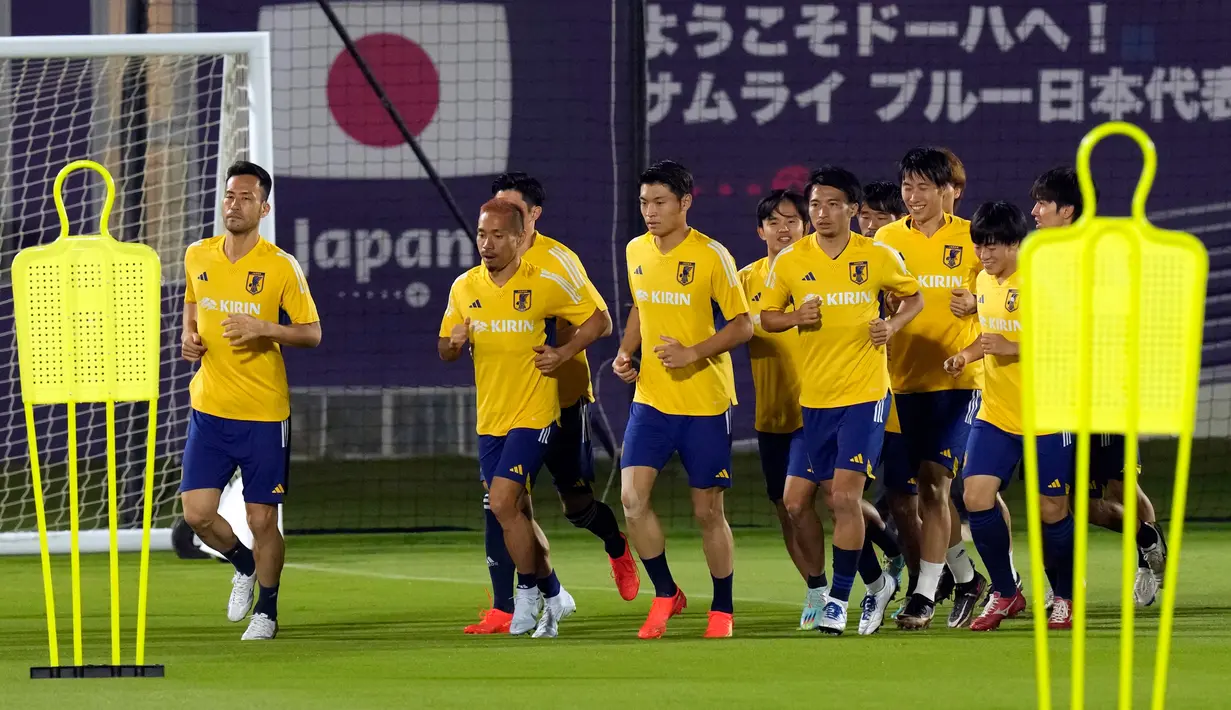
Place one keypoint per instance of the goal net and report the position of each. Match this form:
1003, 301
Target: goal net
166, 115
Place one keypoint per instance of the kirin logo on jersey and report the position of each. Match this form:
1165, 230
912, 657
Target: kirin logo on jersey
1011, 301
256, 282
505, 325
521, 300
953, 256
685, 271
859, 272
949, 281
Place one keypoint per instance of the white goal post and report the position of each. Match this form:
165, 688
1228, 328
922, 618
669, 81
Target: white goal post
165, 114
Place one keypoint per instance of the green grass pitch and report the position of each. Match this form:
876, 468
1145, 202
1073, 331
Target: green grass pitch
375, 622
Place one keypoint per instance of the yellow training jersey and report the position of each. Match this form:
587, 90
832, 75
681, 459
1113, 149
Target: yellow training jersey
248, 382
774, 356
506, 323
682, 294
842, 365
940, 263
999, 306
547, 253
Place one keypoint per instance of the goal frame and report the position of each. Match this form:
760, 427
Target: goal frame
256, 46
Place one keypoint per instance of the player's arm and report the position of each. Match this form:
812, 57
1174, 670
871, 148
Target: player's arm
971, 353
454, 329
191, 347
898, 283
304, 328
963, 302
573, 305
622, 365
774, 300
726, 291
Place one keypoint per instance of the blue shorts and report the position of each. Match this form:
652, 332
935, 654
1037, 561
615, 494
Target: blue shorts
1107, 462
849, 438
896, 469
517, 456
217, 446
782, 455
936, 425
995, 452
570, 455
703, 443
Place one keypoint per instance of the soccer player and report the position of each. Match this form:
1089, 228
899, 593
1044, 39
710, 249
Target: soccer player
935, 410
882, 204
570, 455
835, 277
681, 281
506, 310
781, 221
236, 286
954, 191
995, 446
1058, 203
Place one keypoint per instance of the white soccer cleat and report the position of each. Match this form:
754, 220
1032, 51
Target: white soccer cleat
1156, 559
875, 605
261, 628
1145, 587
525, 610
813, 604
832, 620
1049, 597
243, 594
555, 609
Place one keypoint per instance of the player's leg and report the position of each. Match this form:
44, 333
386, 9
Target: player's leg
969, 584
705, 451
1055, 456
500, 569
991, 456
1107, 472
902, 507
570, 460
649, 441
821, 442
775, 452
915, 412
264, 460
208, 466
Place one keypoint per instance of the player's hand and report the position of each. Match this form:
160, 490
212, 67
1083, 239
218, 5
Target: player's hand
808, 313
962, 303
674, 354
892, 304
997, 344
547, 358
459, 335
622, 366
880, 330
955, 365
191, 347
241, 329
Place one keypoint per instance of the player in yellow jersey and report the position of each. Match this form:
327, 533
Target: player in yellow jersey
935, 410
570, 455
995, 446
236, 287
506, 310
1058, 203
882, 204
688, 313
957, 187
835, 278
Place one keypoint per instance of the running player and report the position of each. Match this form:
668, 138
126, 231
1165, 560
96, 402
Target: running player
835, 278
237, 285
995, 446
505, 309
954, 191
935, 410
681, 282
781, 221
1058, 203
882, 204
570, 456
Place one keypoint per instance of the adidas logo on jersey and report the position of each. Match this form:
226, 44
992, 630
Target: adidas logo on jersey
203, 277
637, 271
809, 277
756, 298
279, 490
476, 304
517, 470
857, 459
723, 474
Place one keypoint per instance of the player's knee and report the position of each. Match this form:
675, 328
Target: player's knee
845, 503
707, 509
1052, 509
576, 503
504, 506
200, 520
933, 491
636, 504
263, 520
902, 508
974, 498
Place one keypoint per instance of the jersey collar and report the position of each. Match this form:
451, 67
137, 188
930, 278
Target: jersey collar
910, 225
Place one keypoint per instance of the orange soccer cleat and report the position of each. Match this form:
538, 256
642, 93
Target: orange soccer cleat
721, 625
661, 610
624, 572
492, 621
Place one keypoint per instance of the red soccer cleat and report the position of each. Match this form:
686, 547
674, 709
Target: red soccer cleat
1061, 614
624, 572
661, 610
492, 621
721, 625
997, 610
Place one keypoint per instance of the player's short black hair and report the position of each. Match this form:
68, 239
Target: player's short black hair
770, 204
674, 176
998, 223
837, 178
243, 167
884, 196
930, 163
530, 188
1060, 185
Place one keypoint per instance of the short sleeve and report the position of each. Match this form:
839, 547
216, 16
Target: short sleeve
571, 269
895, 278
777, 293
972, 281
190, 289
296, 298
724, 284
453, 312
567, 302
